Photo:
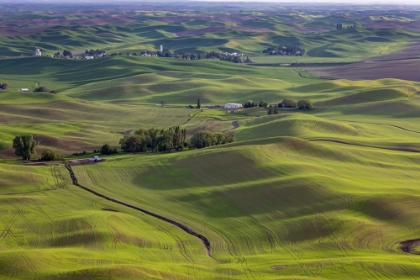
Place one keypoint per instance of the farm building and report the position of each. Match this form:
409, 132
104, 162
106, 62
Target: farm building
233, 106
89, 57
24, 90
95, 159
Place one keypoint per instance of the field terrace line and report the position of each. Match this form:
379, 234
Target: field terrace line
203, 239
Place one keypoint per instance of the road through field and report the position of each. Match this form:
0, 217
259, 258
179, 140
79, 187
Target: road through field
203, 239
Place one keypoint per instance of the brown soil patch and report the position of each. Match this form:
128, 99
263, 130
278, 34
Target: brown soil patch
82, 161
278, 267
125, 132
34, 163
410, 246
387, 24
60, 145
13, 31
402, 65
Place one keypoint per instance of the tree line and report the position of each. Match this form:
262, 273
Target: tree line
303, 104
171, 139
155, 140
142, 140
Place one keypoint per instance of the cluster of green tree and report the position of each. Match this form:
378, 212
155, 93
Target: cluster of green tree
107, 150
213, 54
287, 103
48, 155
235, 59
303, 104
4, 86
285, 50
249, 104
180, 55
65, 54
44, 89
95, 53
205, 138
340, 26
156, 140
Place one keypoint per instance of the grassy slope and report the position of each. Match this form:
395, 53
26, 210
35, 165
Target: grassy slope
327, 194
56, 230
322, 209
120, 95
245, 32
98, 99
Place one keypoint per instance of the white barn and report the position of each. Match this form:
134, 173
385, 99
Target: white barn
233, 105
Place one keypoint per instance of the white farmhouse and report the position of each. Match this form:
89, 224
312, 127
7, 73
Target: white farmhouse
233, 105
24, 89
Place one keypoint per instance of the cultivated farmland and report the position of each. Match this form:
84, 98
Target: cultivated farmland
327, 193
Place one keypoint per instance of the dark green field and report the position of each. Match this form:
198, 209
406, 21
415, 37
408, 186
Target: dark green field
329, 193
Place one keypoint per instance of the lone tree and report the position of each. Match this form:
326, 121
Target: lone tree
198, 103
107, 150
25, 146
305, 104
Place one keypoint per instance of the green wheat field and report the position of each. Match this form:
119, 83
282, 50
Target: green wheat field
328, 193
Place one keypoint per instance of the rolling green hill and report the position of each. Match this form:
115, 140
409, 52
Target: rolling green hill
328, 193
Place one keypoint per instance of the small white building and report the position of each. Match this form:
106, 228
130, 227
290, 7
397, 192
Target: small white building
95, 159
24, 89
89, 57
233, 105
37, 52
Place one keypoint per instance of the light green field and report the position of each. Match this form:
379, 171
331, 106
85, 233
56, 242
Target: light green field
322, 194
312, 207
44, 233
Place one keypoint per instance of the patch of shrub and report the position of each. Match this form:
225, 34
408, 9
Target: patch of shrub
41, 89
48, 155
